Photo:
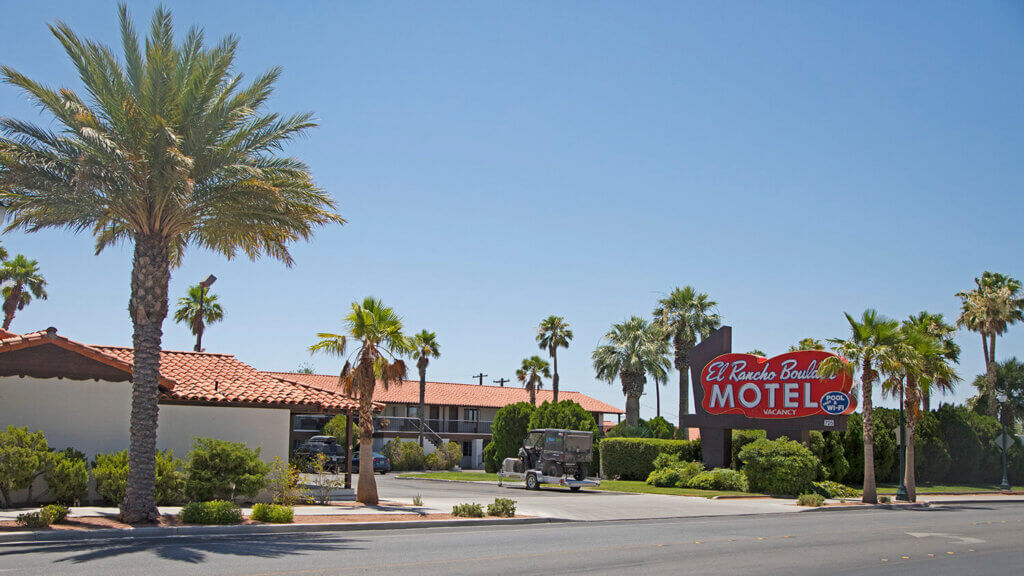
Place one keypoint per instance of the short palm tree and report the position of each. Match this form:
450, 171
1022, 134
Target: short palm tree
1009, 381
167, 149
688, 315
554, 333
376, 334
22, 281
425, 347
198, 298
989, 309
870, 345
935, 326
632, 350
807, 344
532, 373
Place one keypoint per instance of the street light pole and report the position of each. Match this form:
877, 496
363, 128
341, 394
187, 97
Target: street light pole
901, 492
203, 287
1002, 398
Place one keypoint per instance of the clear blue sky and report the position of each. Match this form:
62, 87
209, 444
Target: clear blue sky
499, 164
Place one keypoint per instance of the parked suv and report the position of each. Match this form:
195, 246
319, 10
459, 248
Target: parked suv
326, 445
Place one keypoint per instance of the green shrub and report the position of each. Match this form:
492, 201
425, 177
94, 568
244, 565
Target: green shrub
741, 438
565, 415
468, 511
720, 479
884, 500
273, 513
504, 507
779, 466
830, 489
665, 460
814, 500
222, 470
633, 458
283, 483
111, 474
624, 430
433, 462
213, 512
491, 464
170, 479
404, 455
509, 429
24, 456
34, 520
54, 513
336, 427
67, 477
675, 476
661, 428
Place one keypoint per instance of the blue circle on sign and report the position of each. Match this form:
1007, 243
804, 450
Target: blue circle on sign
835, 402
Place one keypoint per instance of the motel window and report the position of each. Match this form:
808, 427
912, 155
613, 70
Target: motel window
453, 412
467, 448
472, 414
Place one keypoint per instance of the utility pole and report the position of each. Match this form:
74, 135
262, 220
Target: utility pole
501, 381
480, 377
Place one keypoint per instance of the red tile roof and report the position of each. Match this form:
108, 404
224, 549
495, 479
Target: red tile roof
453, 394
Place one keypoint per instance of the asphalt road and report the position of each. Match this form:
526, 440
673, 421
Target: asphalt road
978, 539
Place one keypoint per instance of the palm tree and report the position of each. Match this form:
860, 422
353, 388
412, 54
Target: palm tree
376, 331
1009, 381
989, 309
532, 373
688, 315
198, 298
633, 349
554, 333
167, 150
807, 344
425, 347
870, 345
22, 282
935, 326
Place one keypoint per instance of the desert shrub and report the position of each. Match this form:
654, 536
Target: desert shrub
222, 470
34, 520
273, 513
830, 489
283, 483
661, 428
170, 479
565, 415
54, 513
676, 476
814, 500
509, 429
433, 462
67, 477
324, 482
633, 458
404, 455
719, 479
111, 474
452, 452
417, 500
24, 456
884, 499
504, 507
468, 511
779, 466
491, 464
213, 512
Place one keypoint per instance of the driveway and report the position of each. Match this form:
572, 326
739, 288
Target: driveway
561, 503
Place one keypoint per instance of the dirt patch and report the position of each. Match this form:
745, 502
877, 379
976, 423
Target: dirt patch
92, 523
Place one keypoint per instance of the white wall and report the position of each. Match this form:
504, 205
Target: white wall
266, 428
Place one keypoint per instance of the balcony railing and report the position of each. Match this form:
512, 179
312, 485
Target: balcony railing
404, 424
309, 423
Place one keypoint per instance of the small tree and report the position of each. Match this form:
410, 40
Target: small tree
565, 415
324, 482
283, 483
24, 456
67, 477
511, 423
222, 470
336, 427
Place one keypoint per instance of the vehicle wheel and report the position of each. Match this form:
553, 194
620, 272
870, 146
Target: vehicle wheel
553, 469
581, 472
574, 488
531, 482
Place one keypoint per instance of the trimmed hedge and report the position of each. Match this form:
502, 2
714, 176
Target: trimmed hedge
779, 467
273, 513
213, 512
633, 458
720, 479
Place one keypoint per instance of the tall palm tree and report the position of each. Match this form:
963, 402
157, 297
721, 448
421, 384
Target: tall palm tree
632, 350
165, 151
375, 330
22, 282
935, 326
425, 347
870, 345
989, 309
532, 373
554, 333
198, 298
688, 315
807, 344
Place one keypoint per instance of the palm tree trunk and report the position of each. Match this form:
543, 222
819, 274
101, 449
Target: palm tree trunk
366, 489
11, 305
910, 406
151, 274
554, 379
870, 491
533, 393
926, 402
632, 388
657, 400
422, 365
990, 377
632, 410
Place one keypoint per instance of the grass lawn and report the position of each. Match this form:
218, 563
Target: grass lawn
634, 486
953, 488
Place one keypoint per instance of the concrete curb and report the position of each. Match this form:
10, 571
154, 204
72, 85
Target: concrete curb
251, 529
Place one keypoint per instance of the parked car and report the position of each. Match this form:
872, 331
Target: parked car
381, 463
326, 445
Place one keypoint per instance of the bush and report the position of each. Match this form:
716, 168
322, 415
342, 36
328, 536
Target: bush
491, 464
283, 483
509, 429
213, 512
445, 457
111, 474
324, 481
404, 455
661, 428
24, 456
779, 466
565, 415
633, 458
814, 500
624, 430
503, 507
719, 479
468, 511
170, 479
884, 499
830, 489
675, 476
336, 427
55, 513
273, 513
222, 470
433, 462
67, 477
34, 520
741, 438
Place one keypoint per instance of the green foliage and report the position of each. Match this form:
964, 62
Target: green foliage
111, 474
336, 427
719, 479
213, 512
509, 429
170, 479
24, 456
834, 464
813, 500
884, 499
624, 430
491, 464
273, 513
661, 428
404, 454
67, 477
741, 438
675, 475
633, 458
503, 507
830, 489
468, 511
565, 415
324, 481
417, 500
779, 466
283, 483
54, 513
222, 470
33, 520
445, 457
